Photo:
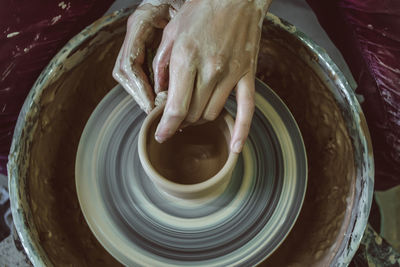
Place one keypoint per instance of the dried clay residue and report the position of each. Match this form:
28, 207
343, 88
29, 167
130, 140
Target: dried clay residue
325, 215
65, 108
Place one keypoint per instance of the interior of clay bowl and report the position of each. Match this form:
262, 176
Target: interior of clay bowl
193, 155
52, 225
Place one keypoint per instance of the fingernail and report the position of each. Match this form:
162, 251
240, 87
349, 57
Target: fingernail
159, 139
158, 135
237, 147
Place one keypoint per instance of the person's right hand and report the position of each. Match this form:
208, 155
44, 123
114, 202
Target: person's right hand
209, 49
142, 27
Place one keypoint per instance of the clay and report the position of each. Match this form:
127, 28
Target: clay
325, 215
196, 164
192, 155
68, 102
65, 108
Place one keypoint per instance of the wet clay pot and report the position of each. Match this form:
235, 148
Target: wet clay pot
41, 167
195, 163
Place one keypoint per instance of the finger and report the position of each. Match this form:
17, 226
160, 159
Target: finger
128, 69
161, 62
186, 124
206, 80
182, 75
138, 32
219, 97
137, 86
135, 82
245, 109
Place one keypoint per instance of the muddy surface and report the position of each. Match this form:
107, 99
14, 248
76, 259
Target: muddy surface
68, 102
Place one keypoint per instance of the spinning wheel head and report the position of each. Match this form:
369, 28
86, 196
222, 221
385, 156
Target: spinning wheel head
138, 223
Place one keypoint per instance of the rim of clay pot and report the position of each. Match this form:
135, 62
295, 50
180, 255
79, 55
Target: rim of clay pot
18, 163
177, 189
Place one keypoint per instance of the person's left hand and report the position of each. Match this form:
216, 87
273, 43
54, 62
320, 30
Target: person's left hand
142, 27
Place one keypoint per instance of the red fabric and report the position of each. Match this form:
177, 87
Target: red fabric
31, 33
367, 32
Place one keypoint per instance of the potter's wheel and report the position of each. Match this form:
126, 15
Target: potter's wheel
140, 225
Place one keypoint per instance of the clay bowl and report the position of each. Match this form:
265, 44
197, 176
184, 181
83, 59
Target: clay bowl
41, 166
195, 163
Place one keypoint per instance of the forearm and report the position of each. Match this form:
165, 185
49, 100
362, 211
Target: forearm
263, 5
175, 4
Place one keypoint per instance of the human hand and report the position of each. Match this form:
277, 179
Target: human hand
209, 48
151, 16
